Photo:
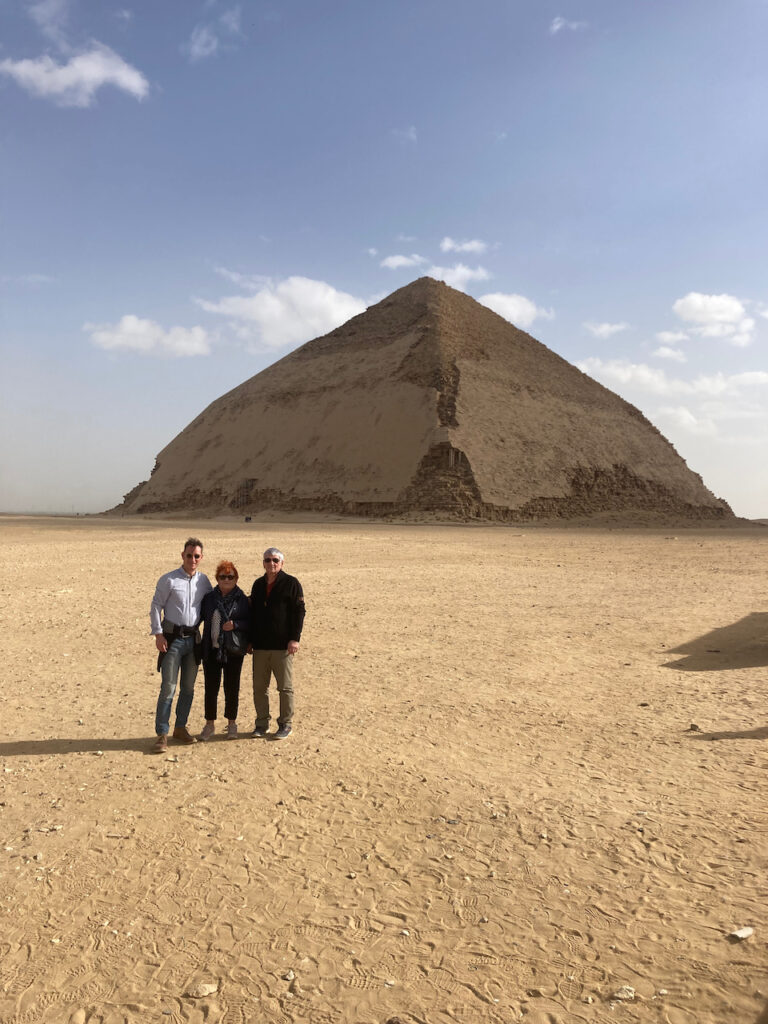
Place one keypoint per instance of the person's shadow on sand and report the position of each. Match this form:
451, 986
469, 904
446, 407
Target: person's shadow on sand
743, 644
31, 748
760, 733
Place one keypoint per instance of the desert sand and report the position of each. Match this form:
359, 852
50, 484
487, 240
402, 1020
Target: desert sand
528, 775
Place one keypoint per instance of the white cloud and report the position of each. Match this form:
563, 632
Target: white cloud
250, 282
671, 337
716, 316
705, 309
51, 18
76, 83
202, 43
372, 251
473, 246
645, 378
750, 378
230, 21
133, 334
665, 352
516, 308
286, 313
559, 23
459, 275
27, 280
605, 330
736, 334
206, 39
743, 336
709, 414
406, 134
682, 417
617, 371
748, 408
396, 262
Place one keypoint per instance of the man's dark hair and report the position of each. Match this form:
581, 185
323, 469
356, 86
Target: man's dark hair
193, 542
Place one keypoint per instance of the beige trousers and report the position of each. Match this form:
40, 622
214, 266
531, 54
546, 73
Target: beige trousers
266, 664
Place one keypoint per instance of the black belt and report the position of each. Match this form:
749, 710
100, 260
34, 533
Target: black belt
171, 629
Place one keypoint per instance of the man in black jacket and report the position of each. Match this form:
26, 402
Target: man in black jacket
277, 617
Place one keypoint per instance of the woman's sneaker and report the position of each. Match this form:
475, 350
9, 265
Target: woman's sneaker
232, 731
208, 730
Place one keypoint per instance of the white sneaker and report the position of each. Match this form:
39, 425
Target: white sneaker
232, 731
208, 731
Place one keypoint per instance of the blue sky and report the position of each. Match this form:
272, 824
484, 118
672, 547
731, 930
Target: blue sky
189, 190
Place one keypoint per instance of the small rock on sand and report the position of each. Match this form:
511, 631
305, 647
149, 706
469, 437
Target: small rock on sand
625, 994
203, 989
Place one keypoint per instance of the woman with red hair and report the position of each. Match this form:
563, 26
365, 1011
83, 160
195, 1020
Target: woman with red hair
226, 618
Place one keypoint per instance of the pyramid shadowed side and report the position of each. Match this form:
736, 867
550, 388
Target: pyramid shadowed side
427, 402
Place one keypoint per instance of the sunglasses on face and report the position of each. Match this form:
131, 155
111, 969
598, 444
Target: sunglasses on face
275, 560
188, 554
225, 576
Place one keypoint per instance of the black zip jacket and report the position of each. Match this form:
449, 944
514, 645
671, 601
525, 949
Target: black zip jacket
279, 618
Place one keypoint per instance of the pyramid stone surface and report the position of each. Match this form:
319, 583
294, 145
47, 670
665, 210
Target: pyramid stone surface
427, 402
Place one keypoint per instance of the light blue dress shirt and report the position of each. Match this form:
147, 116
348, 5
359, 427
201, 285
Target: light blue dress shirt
178, 597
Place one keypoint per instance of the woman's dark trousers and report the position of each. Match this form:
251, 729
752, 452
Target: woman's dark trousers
213, 672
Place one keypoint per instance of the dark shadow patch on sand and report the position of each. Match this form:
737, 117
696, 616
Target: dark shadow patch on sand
58, 746
742, 644
759, 733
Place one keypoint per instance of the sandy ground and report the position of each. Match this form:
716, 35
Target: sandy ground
528, 770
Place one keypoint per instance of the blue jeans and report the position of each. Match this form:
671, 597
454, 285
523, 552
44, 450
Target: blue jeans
180, 656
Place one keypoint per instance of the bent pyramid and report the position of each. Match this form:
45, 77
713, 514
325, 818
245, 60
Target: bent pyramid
426, 403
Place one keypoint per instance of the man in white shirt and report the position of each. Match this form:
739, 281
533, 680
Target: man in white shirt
174, 617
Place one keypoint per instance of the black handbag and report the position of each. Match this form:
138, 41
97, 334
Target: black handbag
235, 642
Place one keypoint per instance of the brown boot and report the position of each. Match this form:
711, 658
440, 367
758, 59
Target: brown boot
161, 744
183, 735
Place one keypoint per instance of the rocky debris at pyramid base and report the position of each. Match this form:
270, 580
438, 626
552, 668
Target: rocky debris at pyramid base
427, 405
453, 495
